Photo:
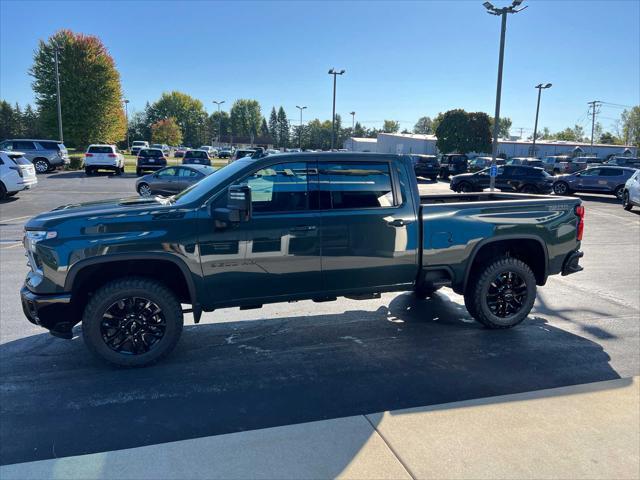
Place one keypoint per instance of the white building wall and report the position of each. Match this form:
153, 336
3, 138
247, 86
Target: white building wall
355, 144
404, 143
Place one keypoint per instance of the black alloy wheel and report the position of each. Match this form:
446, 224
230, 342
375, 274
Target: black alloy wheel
506, 294
133, 325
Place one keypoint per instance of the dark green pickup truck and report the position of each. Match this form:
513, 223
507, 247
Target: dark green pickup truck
282, 228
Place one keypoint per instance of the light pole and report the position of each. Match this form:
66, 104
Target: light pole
540, 87
353, 127
300, 131
55, 50
335, 73
126, 116
218, 103
502, 12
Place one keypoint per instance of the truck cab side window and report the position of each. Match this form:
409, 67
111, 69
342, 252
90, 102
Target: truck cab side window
355, 185
280, 188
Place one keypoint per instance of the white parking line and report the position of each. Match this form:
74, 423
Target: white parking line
17, 244
16, 218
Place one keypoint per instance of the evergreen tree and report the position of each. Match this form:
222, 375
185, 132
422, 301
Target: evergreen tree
283, 128
264, 129
273, 127
6, 120
31, 122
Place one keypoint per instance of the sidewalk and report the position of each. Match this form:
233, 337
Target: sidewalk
586, 431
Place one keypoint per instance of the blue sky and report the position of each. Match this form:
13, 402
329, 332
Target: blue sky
403, 60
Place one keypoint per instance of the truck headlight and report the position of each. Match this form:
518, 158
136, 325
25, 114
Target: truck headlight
32, 237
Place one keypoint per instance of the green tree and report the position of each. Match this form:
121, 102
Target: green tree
390, 126
90, 91
631, 126
459, 131
359, 131
7, 121
245, 118
264, 128
610, 139
166, 131
18, 122
31, 122
219, 121
424, 126
283, 128
188, 113
273, 127
575, 134
139, 128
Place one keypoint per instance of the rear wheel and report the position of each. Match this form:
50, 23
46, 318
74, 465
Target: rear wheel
433, 178
3, 191
41, 165
88, 171
561, 188
626, 203
465, 187
619, 192
144, 189
138, 172
132, 322
502, 293
444, 174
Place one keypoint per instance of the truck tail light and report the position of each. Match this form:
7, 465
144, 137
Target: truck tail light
579, 210
88, 154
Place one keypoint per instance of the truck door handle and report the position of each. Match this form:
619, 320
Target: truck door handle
398, 222
303, 228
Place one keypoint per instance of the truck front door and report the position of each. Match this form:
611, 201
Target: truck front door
369, 226
277, 252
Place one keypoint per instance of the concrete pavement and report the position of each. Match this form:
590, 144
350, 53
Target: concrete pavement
584, 431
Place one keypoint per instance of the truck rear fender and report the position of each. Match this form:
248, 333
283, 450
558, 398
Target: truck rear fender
528, 248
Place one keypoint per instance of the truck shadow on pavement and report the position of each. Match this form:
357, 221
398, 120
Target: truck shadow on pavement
236, 376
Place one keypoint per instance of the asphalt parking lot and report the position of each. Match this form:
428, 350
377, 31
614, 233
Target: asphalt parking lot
299, 362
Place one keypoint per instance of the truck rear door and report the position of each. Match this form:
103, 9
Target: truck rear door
369, 229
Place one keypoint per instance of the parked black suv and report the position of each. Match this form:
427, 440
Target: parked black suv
200, 157
453, 164
426, 166
510, 178
150, 159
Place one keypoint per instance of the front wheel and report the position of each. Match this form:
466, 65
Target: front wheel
144, 190
465, 187
619, 192
502, 293
433, 178
132, 322
626, 202
529, 189
561, 188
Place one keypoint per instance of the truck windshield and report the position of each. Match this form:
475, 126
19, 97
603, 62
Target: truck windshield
208, 184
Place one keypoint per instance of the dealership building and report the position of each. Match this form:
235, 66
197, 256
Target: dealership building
426, 144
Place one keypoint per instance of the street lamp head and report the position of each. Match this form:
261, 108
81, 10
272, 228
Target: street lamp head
352, 113
547, 85
516, 3
333, 71
488, 6
126, 101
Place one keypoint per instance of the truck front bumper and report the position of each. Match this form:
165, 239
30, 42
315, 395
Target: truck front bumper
572, 263
53, 312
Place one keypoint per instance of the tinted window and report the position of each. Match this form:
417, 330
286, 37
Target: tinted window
19, 160
49, 145
187, 172
279, 188
100, 149
355, 185
610, 172
592, 172
196, 154
19, 145
167, 172
151, 153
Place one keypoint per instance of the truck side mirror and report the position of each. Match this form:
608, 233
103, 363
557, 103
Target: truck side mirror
238, 207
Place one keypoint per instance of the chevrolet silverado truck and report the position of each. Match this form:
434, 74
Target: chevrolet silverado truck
294, 226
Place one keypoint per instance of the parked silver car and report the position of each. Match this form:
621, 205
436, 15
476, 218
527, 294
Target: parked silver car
46, 155
595, 180
172, 180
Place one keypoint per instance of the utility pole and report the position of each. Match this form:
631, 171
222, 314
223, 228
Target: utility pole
353, 127
219, 119
335, 73
300, 131
540, 87
126, 116
594, 104
58, 94
501, 12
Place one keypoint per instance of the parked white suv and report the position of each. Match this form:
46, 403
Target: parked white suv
631, 192
138, 145
16, 174
103, 157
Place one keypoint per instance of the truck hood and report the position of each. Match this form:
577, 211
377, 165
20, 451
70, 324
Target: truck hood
93, 209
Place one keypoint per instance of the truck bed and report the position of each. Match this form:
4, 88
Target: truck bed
432, 199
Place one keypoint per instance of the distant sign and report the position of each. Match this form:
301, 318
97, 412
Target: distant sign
493, 171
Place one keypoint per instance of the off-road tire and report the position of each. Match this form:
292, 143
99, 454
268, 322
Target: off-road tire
479, 283
134, 286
